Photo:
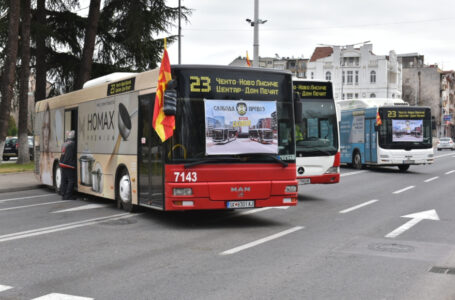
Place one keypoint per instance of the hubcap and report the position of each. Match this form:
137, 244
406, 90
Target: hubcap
125, 188
58, 178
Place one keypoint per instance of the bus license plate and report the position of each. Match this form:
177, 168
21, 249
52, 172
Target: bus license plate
409, 161
305, 181
240, 204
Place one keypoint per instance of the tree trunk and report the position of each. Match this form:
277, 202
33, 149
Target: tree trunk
24, 155
89, 44
40, 89
8, 77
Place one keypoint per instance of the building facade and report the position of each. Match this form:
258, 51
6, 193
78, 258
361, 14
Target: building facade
427, 85
297, 66
357, 72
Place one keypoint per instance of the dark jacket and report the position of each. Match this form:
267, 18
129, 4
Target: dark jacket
68, 157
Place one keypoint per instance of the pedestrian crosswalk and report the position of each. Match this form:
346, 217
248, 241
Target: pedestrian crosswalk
52, 296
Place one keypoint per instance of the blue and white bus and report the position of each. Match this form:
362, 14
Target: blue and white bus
385, 132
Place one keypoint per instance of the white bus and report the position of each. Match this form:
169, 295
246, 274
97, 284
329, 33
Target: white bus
317, 134
385, 132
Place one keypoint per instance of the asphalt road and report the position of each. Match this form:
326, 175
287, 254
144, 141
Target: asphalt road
342, 241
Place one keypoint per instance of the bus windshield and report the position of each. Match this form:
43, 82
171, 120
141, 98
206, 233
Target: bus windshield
316, 131
192, 135
405, 128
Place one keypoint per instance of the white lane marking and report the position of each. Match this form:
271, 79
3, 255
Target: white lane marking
56, 296
415, 219
404, 190
261, 241
450, 172
352, 173
357, 206
32, 205
431, 179
256, 210
67, 226
5, 288
37, 196
83, 207
444, 155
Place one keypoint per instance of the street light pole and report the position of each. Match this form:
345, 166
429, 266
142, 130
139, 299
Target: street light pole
180, 35
255, 23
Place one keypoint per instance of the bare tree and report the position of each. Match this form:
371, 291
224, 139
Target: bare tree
40, 91
9, 72
89, 44
24, 155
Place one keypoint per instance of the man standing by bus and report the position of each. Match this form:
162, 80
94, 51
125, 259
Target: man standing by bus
68, 167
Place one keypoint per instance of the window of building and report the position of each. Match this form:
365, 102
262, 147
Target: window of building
342, 97
312, 75
356, 78
342, 78
393, 95
356, 95
349, 81
373, 77
328, 76
372, 95
349, 95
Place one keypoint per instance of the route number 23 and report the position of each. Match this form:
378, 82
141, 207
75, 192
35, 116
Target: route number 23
200, 84
185, 177
391, 114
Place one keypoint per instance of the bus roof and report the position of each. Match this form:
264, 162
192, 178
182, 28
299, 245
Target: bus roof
143, 81
369, 102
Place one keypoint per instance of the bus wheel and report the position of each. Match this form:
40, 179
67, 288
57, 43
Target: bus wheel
57, 179
357, 161
403, 168
124, 198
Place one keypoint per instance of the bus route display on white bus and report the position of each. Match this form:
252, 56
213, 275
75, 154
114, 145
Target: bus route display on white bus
240, 127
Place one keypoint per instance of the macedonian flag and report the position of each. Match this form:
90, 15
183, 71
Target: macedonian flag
378, 119
164, 125
248, 62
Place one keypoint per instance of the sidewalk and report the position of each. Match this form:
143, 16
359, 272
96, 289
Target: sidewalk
13, 182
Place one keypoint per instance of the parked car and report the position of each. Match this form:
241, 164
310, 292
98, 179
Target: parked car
445, 143
10, 149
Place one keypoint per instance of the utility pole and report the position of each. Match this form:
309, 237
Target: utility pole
255, 23
180, 35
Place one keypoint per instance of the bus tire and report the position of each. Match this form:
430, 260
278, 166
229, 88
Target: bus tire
57, 178
403, 168
123, 195
357, 161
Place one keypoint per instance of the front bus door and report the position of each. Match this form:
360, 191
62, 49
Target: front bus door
150, 157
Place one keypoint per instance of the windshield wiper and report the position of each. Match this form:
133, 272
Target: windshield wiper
209, 160
278, 160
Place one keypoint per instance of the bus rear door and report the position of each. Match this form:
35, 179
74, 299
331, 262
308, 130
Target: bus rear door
370, 141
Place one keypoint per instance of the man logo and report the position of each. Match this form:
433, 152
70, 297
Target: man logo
241, 108
240, 190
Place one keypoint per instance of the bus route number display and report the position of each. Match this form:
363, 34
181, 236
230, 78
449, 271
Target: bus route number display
119, 87
406, 114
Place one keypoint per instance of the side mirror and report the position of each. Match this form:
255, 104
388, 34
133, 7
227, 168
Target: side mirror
297, 107
170, 98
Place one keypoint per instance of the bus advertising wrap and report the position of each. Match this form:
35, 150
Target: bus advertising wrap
240, 127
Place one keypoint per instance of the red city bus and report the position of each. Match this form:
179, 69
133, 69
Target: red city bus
121, 157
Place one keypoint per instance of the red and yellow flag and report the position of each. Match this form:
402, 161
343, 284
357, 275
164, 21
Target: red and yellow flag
164, 125
378, 119
248, 62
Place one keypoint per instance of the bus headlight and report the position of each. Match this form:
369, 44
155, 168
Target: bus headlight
182, 191
290, 189
333, 170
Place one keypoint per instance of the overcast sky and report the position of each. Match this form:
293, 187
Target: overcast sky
217, 32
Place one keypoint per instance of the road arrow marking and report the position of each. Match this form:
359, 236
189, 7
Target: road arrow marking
4, 288
83, 207
415, 219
